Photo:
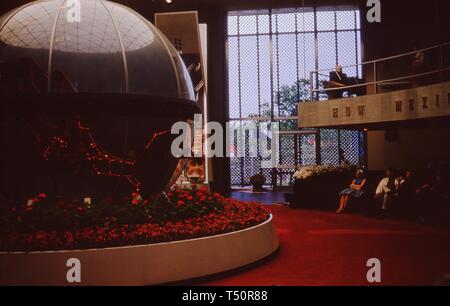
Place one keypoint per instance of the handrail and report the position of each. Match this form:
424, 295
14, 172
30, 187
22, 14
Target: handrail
383, 81
376, 82
386, 58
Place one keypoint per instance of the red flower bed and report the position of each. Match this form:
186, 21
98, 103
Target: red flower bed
176, 216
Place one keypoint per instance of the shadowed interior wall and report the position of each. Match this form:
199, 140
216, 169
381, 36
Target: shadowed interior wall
415, 149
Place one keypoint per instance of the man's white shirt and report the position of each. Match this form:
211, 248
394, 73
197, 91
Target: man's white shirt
383, 185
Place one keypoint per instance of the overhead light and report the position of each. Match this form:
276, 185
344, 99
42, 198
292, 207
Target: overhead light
168, 1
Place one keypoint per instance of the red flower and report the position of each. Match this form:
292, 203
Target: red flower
42, 195
41, 235
224, 216
135, 202
136, 198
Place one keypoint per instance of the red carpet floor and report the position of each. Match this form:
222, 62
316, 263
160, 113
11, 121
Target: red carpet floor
322, 248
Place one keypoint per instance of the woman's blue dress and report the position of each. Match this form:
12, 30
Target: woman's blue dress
353, 192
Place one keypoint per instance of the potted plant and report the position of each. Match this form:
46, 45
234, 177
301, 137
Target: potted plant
257, 182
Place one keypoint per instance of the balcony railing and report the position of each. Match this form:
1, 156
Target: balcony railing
434, 69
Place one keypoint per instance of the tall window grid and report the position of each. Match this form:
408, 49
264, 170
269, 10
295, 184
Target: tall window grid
270, 56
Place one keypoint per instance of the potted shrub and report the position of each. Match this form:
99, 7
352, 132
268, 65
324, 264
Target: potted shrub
257, 182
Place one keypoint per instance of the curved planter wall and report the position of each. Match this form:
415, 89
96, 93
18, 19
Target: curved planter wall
145, 264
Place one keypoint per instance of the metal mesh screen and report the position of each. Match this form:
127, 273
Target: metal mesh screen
246, 157
235, 161
249, 73
346, 56
349, 143
329, 147
338, 43
234, 87
307, 149
288, 159
270, 56
287, 151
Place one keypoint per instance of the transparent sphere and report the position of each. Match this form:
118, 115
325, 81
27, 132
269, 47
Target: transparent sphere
92, 46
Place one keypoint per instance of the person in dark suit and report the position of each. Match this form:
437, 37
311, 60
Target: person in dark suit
408, 191
337, 79
338, 76
340, 79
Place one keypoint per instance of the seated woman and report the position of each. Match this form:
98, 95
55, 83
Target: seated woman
355, 190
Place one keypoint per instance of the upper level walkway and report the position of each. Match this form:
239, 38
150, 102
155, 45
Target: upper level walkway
378, 110
422, 93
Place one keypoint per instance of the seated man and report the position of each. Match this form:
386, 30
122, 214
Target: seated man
387, 190
340, 79
432, 202
408, 185
338, 76
408, 191
337, 79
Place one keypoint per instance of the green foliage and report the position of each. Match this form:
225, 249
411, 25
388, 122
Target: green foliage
285, 103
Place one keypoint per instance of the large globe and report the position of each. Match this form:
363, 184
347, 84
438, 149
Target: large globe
89, 92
